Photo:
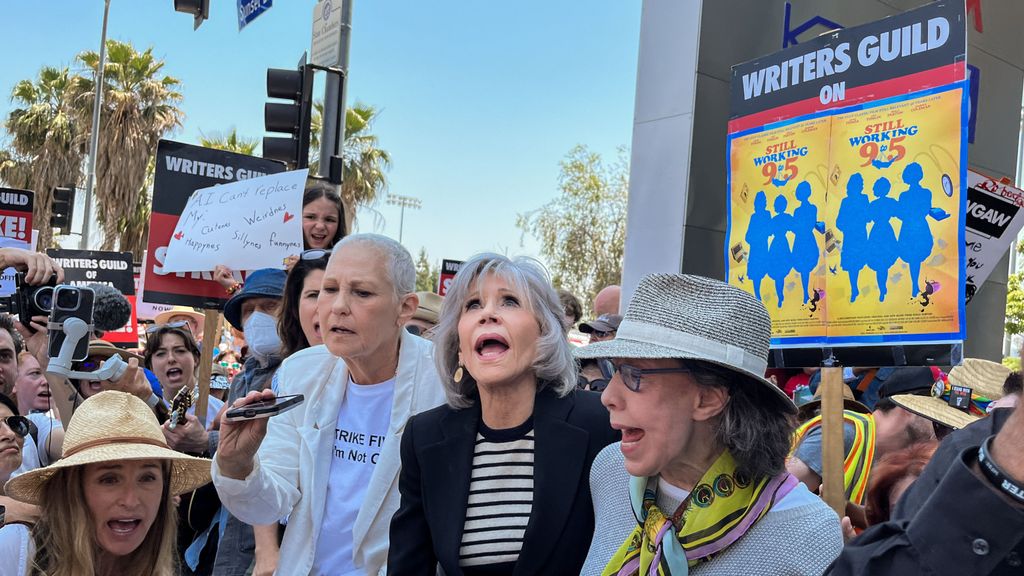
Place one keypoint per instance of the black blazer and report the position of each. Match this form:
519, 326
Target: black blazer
437, 457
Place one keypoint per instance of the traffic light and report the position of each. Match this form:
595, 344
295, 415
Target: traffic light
292, 118
62, 210
198, 8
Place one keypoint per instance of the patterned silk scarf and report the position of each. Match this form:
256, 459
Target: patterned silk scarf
719, 510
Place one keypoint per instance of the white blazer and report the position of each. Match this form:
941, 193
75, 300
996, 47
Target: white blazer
293, 464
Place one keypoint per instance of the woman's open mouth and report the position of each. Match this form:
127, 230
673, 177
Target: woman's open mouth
491, 346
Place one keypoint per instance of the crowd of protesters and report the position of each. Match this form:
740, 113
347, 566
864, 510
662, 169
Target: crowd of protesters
467, 435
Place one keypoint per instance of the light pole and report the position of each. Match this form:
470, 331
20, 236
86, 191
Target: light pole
90, 174
404, 202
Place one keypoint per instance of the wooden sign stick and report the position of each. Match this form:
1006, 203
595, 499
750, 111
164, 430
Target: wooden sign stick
211, 334
832, 449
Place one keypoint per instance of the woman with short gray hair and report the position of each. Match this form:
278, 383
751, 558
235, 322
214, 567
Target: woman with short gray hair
331, 464
698, 484
496, 481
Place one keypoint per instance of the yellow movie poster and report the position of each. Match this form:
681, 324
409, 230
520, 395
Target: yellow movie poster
894, 210
778, 223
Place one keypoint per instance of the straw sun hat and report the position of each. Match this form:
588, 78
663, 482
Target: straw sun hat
696, 318
109, 427
983, 377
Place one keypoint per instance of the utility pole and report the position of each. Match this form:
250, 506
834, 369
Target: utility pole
94, 141
404, 202
332, 134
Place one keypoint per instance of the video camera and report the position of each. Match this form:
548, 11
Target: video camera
28, 301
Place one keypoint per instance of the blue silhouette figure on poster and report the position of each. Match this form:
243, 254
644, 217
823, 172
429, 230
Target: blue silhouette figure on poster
881, 247
805, 246
915, 207
852, 220
780, 255
758, 231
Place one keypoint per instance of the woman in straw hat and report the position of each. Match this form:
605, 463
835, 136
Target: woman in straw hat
107, 507
961, 398
698, 482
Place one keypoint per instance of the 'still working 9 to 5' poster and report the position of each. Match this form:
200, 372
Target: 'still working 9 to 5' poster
847, 162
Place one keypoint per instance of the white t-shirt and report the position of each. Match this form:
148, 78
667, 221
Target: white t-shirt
359, 434
15, 547
34, 454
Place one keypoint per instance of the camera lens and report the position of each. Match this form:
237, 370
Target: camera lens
43, 298
68, 299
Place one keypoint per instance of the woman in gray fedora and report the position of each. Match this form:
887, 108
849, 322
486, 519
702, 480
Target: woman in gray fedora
704, 442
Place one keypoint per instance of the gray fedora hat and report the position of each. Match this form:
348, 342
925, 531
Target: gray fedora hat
695, 318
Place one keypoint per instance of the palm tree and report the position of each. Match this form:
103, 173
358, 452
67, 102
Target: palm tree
364, 176
134, 224
231, 143
140, 105
47, 143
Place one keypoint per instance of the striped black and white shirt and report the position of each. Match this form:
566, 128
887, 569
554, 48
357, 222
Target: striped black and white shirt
500, 499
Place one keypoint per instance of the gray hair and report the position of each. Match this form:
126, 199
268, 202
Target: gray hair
554, 366
758, 435
400, 268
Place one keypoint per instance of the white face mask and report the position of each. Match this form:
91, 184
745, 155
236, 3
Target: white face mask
261, 334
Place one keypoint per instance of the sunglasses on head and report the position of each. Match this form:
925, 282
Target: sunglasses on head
18, 424
315, 254
153, 328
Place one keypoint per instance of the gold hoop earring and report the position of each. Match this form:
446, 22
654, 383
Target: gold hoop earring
459, 374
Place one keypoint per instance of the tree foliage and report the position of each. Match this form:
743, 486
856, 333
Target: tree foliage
1015, 304
140, 106
426, 275
47, 142
582, 232
364, 174
231, 142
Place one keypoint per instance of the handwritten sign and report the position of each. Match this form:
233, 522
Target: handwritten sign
245, 225
994, 217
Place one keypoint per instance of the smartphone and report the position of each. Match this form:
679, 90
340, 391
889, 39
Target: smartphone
70, 302
265, 409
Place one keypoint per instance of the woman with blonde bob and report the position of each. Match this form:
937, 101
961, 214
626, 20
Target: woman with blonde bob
495, 481
107, 507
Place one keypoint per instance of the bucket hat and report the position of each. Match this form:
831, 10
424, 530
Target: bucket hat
429, 308
109, 427
985, 380
266, 283
696, 318
806, 410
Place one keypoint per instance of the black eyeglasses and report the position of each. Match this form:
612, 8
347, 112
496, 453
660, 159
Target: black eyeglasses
18, 424
600, 334
631, 375
153, 328
315, 254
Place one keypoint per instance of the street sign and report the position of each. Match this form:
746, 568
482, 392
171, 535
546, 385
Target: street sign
326, 50
249, 10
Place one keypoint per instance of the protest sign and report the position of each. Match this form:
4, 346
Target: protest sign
15, 229
114, 269
251, 224
994, 218
847, 158
181, 169
145, 310
449, 268
16, 214
8, 283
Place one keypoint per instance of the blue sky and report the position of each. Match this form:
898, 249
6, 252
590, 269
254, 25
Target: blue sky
479, 99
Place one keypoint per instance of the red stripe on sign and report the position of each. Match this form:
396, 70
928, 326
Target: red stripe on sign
189, 285
129, 335
909, 84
